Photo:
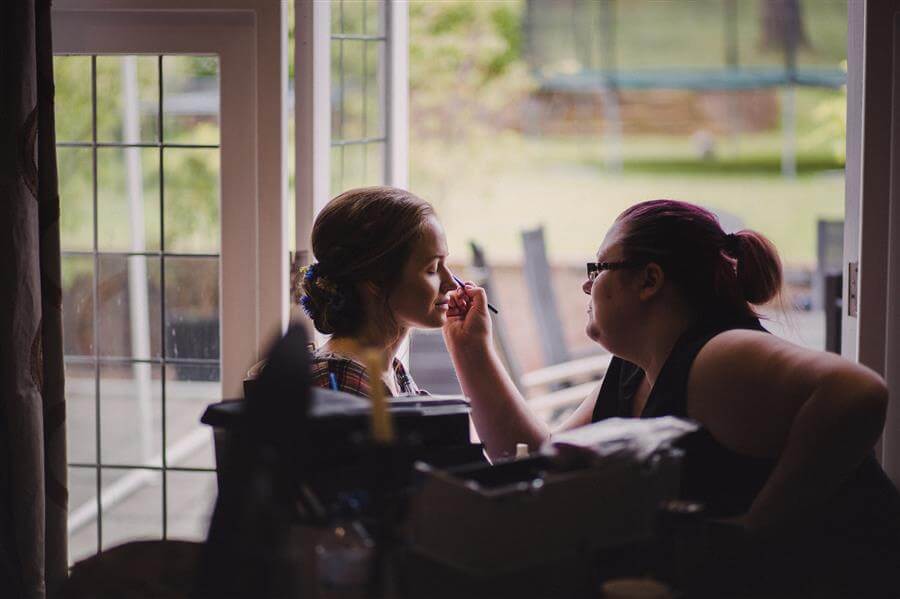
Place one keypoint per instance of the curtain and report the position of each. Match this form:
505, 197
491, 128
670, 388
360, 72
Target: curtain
33, 495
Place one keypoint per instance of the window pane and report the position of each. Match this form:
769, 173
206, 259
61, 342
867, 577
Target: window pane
374, 89
72, 80
337, 90
131, 414
191, 99
82, 513
128, 199
129, 324
191, 199
374, 168
351, 12
191, 498
337, 170
192, 308
354, 54
354, 173
81, 415
136, 512
78, 305
188, 392
76, 198
336, 16
127, 98
374, 17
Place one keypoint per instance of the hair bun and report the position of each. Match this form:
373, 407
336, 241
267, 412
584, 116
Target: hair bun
330, 304
758, 267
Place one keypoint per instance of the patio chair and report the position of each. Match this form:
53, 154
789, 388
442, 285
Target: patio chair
829, 259
482, 275
563, 367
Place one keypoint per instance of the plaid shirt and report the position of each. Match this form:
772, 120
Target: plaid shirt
352, 377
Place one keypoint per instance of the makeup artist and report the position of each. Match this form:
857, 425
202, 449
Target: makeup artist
786, 449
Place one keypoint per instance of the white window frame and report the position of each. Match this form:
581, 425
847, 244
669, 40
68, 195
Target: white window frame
872, 204
249, 37
312, 85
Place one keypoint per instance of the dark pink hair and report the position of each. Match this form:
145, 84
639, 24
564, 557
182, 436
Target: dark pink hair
719, 274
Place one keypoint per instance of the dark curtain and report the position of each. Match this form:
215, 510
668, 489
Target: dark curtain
33, 495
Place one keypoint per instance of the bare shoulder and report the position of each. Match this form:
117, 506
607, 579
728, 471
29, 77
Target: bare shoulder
746, 386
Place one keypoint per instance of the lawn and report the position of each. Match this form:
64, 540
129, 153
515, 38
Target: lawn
490, 189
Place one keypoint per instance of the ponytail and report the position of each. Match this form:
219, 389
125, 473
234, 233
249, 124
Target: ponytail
758, 268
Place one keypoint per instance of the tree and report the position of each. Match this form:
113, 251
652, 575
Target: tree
466, 71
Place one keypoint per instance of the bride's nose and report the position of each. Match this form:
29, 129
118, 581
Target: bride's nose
447, 283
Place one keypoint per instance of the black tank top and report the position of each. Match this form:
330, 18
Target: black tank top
860, 528
726, 482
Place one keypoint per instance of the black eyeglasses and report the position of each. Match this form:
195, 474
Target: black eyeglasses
595, 268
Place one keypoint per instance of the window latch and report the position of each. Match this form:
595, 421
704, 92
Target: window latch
852, 288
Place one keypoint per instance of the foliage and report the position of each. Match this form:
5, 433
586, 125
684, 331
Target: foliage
467, 79
830, 124
468, 156
695, 33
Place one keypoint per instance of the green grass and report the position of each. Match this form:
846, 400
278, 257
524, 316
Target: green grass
492, 188
722, 167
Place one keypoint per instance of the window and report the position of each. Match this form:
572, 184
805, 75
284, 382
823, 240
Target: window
359, 94
139, 171
169, 313
351, 102
164, 192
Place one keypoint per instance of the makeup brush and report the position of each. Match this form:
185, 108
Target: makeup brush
461, 284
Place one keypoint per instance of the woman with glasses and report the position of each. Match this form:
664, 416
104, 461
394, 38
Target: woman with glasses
380, 272
788, 433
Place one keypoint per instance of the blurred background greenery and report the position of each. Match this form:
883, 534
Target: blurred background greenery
495, 153
488, 147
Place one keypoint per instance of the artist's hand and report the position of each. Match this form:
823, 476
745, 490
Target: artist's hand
468, 321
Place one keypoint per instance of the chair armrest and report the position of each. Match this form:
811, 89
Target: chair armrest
570, 396
592, 367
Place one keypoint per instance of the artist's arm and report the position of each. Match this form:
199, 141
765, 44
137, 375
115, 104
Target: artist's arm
816, 413
499, 412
